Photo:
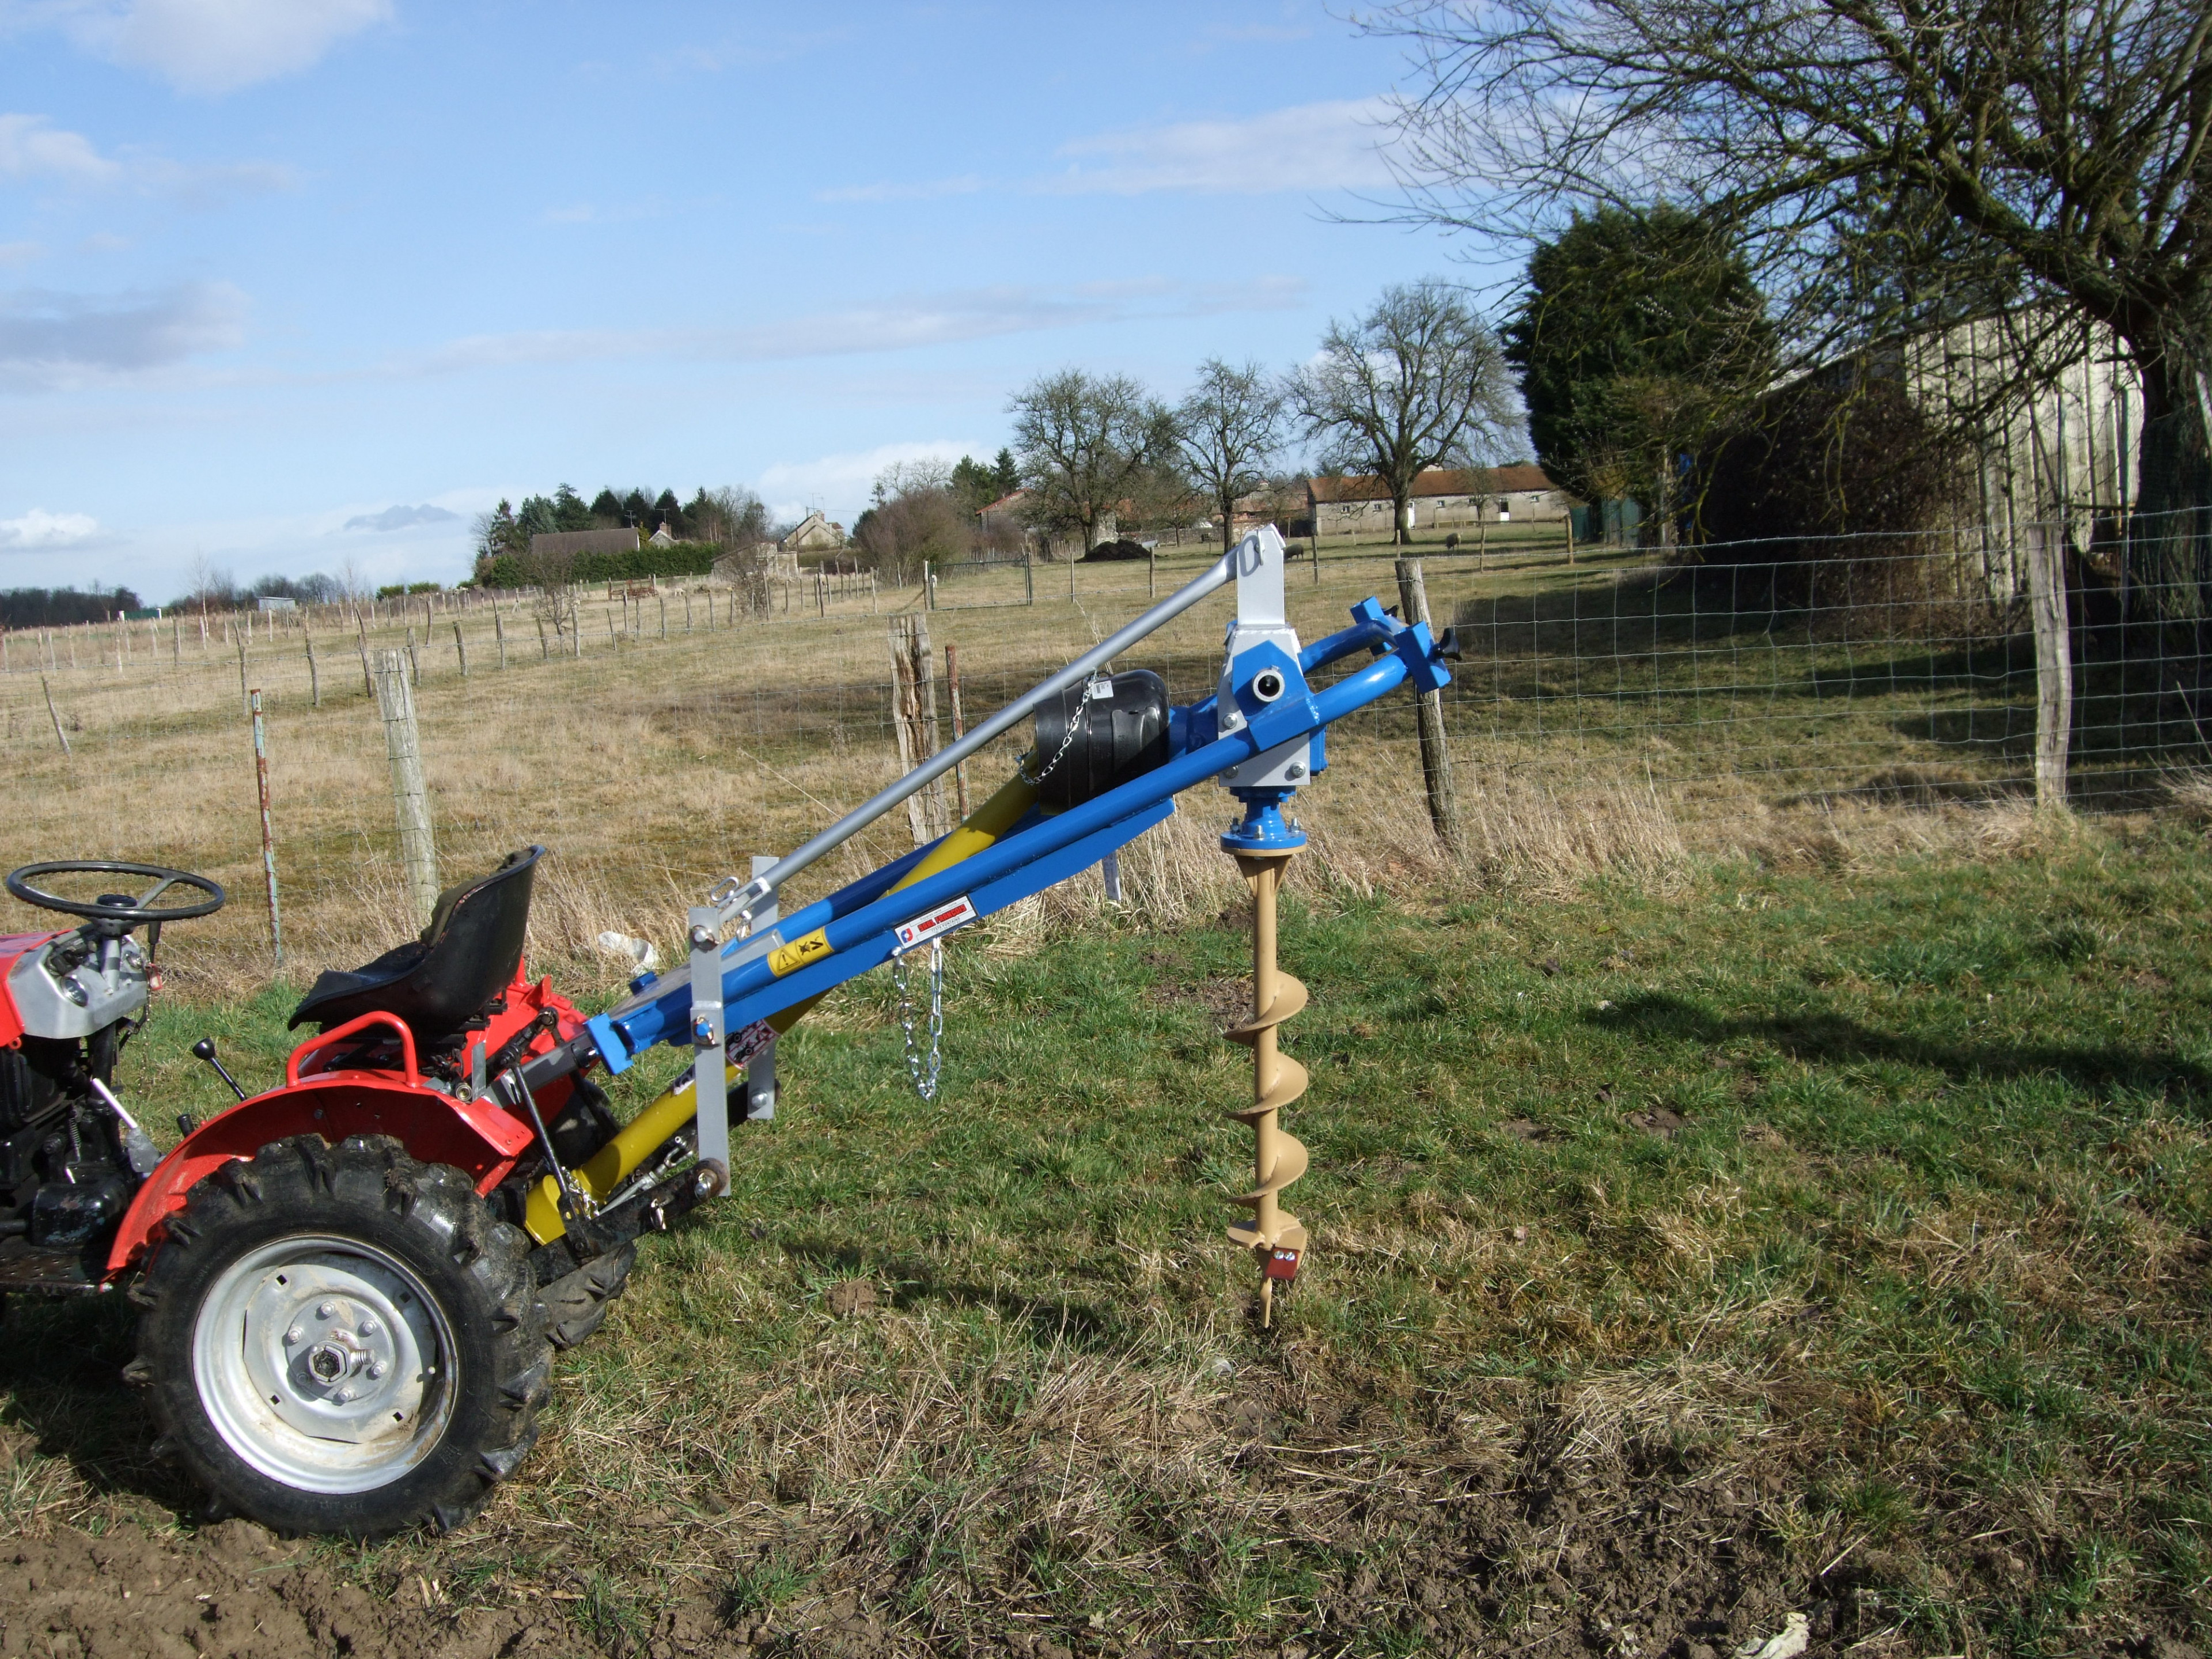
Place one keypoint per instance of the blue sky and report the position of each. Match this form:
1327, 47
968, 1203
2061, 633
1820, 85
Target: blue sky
283, 282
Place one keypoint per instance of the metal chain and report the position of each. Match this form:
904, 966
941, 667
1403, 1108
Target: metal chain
925, 1075
1094, 690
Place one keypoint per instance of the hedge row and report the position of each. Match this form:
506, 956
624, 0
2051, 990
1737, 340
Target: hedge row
677, 559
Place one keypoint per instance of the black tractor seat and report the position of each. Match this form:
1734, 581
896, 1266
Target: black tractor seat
437, 983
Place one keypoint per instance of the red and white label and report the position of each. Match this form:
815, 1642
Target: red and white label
932, 924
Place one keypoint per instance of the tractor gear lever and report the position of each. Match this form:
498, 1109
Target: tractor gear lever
204, 1049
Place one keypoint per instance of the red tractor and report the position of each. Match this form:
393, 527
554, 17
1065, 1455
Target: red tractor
353, 1283
346, 1327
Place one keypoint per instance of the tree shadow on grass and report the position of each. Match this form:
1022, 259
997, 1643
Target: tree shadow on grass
1825, 1038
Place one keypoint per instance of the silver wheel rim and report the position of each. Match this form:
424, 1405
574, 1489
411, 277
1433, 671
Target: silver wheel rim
325, 1363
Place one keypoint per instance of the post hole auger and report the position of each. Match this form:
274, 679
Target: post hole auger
354, 1280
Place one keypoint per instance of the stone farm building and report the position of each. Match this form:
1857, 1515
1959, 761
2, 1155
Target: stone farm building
1443, 497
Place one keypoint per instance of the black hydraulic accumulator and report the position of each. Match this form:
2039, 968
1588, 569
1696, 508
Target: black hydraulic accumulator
1121, 732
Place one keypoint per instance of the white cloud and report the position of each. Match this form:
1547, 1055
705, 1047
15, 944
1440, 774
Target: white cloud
20, 253
32, 147
49, 339
1312, 147
40, 529
1327, 146
891, 324
208, 47
840, 483
400, 518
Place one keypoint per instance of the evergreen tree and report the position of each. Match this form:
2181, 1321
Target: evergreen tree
1640, 335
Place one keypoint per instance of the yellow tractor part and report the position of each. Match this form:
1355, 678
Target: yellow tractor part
1273, 1236
646, 1133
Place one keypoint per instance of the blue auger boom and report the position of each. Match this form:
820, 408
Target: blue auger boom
1262, 735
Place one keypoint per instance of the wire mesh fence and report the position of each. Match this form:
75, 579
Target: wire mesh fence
1725, 683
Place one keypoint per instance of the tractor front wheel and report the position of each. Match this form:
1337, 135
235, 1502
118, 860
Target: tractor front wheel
342, 1339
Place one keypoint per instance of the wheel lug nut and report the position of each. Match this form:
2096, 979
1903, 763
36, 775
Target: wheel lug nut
342, 1396
294, 1335
368, 1325
326, 1310
375, 1370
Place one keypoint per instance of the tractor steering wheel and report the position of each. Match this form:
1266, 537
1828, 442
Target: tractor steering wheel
131, 911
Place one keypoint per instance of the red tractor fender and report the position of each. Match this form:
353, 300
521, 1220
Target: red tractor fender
475, 1135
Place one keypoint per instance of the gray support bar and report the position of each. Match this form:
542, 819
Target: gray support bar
1252, 550
709, 1087
760, 1070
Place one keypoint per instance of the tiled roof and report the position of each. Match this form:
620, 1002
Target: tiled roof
1437, 480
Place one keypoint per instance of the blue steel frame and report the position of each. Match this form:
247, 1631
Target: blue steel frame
859, 921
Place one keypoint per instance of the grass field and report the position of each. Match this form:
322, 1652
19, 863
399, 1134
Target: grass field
1812, 1217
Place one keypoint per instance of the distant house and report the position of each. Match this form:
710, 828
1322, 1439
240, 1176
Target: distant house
1003, 524
1002, 519
660, 538
1441, 496
812, 534
567, 543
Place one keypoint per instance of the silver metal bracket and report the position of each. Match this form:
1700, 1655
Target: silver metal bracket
709, 1089
760, 1070
1263, 619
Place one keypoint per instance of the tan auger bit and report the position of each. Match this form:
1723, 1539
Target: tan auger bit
1272, 1235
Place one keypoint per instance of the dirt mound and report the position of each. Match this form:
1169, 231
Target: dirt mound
233, 1590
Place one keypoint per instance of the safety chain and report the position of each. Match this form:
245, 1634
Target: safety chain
1094, 690
925, 1074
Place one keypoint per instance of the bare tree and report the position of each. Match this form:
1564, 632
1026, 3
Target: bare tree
1230, 424
1082, 442
732, 517
1418, 382
915, 515
1891, 165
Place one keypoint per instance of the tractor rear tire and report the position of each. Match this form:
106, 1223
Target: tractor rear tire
576, 1303
342, 1339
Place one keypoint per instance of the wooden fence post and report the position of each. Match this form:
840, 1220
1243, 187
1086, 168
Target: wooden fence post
544, 650
403, 747
242, 697
499, 633
268, 836
461, 650
959, 730
314, 679
2054, 661
1428, 718
53, 714
414, 661
914, 679
361, 636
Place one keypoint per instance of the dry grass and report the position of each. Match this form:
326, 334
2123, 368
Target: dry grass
650, 767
